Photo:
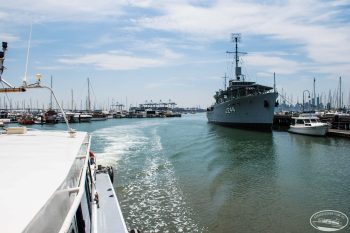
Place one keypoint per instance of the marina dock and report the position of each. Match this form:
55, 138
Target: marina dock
338, 133
340, 124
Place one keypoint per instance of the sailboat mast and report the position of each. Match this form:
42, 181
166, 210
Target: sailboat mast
72, 99
340, 99
51, 93
89, 103
314, 100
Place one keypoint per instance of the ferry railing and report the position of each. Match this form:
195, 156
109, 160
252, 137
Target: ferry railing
80, 191
58, 212
37, 85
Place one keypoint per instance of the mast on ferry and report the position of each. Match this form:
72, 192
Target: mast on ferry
2, 67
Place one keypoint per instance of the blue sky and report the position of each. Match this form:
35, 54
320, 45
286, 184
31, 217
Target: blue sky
160, 50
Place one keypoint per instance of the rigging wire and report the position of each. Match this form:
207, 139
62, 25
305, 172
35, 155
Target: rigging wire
284, 98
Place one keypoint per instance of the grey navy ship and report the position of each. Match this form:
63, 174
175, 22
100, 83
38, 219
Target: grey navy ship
243, 104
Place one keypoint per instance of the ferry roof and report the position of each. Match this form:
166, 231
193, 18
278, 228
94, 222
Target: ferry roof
33, 166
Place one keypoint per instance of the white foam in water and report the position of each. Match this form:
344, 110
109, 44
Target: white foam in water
151, 200
117, 140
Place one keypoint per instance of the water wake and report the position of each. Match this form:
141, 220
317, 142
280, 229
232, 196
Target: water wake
148, 191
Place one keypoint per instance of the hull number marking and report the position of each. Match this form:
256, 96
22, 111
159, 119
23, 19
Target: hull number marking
230, 110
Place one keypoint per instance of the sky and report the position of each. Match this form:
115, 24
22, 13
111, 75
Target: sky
142, 50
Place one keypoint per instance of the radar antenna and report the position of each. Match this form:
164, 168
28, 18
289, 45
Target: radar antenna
2, 67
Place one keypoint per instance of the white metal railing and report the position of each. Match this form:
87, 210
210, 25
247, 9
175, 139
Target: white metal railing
73, 209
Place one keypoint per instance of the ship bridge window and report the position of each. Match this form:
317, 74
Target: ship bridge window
299, 121
313, 120
307, 121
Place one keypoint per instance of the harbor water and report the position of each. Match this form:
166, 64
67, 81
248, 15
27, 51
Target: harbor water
185, 175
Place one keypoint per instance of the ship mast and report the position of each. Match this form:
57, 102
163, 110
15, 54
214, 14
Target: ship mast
236, 38
225, 77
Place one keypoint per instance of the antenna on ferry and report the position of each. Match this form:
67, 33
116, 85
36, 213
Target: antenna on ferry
2, 67
25, 72
2, 58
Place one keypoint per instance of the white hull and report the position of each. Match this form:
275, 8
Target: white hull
319, 130
5, 120
99, 119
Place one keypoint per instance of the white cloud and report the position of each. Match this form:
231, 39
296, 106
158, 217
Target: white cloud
312, 25
8, 37
64, 10
311, 36
102, 40
272, 64
112, 61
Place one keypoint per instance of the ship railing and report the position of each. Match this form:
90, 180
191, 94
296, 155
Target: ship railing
82, 155
58, 212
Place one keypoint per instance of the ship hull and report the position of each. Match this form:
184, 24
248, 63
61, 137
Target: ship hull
248, 112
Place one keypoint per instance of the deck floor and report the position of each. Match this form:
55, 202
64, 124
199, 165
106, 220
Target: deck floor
109, 216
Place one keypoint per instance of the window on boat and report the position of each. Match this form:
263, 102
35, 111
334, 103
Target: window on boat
307, 121
313, 120
299, 121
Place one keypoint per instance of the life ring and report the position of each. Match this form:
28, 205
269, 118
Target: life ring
92, 157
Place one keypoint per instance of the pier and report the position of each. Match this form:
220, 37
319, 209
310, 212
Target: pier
338, 133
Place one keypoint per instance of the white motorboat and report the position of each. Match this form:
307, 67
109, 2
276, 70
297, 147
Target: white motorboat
84, 117
308, 124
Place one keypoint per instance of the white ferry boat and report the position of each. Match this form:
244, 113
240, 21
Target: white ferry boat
50, 181
50, 184
308, 124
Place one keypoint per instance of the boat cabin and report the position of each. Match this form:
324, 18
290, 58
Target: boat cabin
306, 119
